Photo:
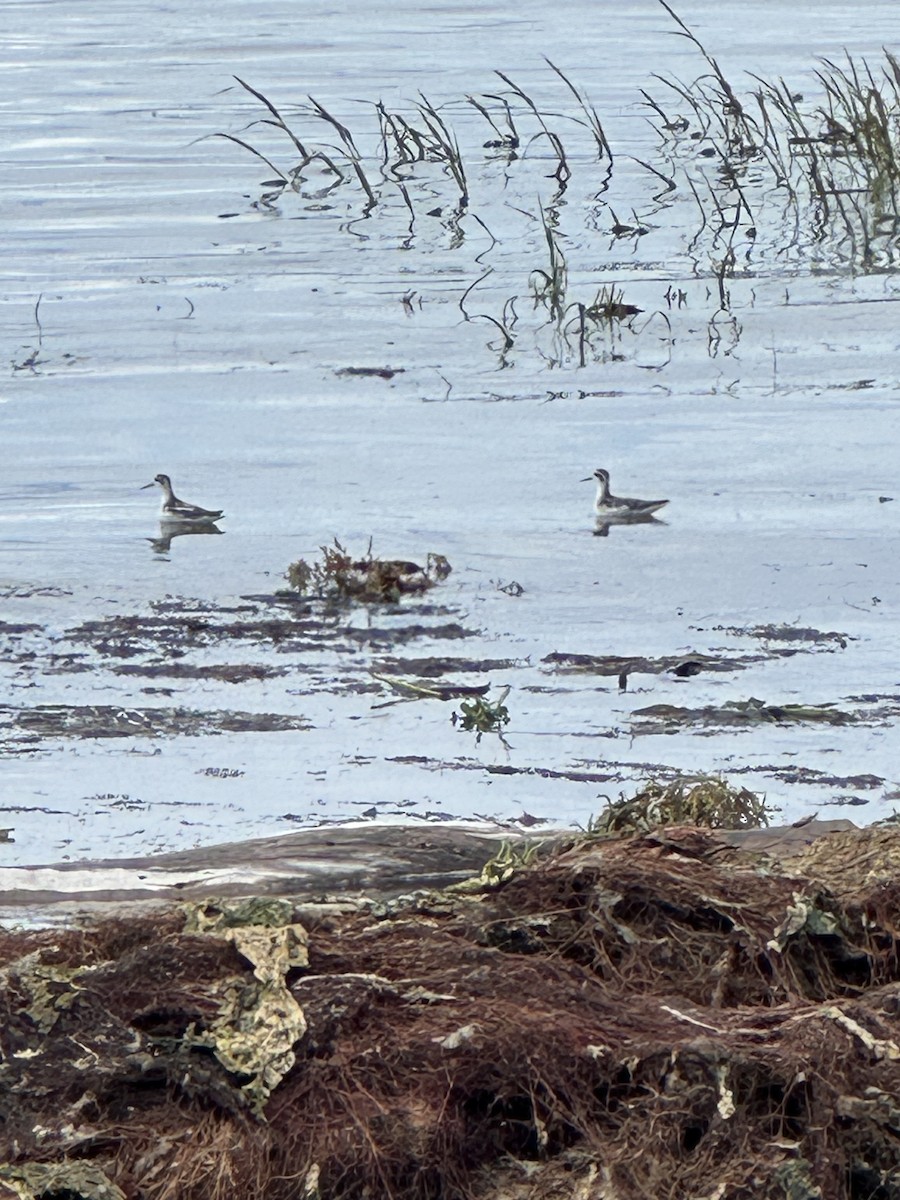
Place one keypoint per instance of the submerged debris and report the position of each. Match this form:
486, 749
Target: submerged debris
371, 580
617, 664
113, 721
669, 718
435, 665
686, 665
371, 372
794, 633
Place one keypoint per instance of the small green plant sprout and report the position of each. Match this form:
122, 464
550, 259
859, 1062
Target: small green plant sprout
482, 716
370, 580
509, 859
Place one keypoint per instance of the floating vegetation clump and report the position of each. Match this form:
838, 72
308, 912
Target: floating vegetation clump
480, 715
338, 576
687, 800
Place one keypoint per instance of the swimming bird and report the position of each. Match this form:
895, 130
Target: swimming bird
619, 508
175, 510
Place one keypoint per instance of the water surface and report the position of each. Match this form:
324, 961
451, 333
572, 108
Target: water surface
166, 309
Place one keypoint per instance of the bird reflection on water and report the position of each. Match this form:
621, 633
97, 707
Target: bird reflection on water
602, 525
168, 532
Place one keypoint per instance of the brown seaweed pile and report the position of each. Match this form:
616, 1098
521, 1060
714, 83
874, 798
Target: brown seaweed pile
655, 1015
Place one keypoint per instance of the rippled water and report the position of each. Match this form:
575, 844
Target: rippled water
166, 308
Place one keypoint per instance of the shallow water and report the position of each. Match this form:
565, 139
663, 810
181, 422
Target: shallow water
161, 313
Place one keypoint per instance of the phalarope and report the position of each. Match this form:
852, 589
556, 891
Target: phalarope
619, 508
175, 510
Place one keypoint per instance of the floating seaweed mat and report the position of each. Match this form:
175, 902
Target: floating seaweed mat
658, 1015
